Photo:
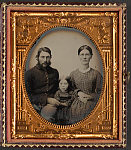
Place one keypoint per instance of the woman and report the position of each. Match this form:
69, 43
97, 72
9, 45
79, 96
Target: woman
87, 83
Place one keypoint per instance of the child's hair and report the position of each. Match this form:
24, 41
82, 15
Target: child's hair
68, 81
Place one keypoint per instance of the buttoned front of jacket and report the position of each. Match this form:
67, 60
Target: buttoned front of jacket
41, 83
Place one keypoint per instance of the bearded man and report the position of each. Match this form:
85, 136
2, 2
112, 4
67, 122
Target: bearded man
41, 81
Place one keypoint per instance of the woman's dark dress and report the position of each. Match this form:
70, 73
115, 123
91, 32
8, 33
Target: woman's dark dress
89, 83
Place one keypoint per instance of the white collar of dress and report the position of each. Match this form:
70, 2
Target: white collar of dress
84, 71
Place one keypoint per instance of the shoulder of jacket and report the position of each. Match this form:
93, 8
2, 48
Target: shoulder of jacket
31, 71
53, 69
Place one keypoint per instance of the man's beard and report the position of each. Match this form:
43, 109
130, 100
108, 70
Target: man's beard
45, 63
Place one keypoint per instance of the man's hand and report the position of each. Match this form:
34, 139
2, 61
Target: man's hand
53, 101
63, 104
84, 97
57, 103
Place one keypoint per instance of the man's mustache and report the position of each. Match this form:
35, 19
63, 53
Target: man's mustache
45, 63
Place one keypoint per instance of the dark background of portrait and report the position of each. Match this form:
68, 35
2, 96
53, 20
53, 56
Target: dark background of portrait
128, 63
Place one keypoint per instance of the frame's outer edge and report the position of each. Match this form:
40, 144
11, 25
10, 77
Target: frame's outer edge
124, 21
3, 80
0, 78
3, 67
62, 4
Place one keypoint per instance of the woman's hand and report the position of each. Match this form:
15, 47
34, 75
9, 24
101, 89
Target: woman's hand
84, 97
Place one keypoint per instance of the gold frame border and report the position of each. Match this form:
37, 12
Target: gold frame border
114, 74
24, 89
123, 6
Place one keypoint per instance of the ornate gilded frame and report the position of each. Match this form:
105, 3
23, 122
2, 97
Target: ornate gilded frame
106, 125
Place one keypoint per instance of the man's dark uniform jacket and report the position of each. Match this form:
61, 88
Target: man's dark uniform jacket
41, 83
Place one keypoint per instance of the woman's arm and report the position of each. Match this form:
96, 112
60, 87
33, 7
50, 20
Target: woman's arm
99, 80
73, 85
97, 92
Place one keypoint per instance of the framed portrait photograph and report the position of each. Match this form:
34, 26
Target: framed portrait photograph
64, 75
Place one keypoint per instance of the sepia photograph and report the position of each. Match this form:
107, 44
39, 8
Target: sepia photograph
63, 75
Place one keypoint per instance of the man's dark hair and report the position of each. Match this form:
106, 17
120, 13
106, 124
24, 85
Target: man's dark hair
44, 49
85, 47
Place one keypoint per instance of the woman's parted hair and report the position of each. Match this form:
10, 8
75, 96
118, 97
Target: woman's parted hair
85, 47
